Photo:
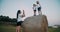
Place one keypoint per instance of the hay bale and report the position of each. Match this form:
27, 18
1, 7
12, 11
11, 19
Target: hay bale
35, 24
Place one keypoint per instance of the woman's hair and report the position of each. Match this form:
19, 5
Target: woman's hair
18, 12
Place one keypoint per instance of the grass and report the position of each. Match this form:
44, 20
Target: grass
9, 28
54, 30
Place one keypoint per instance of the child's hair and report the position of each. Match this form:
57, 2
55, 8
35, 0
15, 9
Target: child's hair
37, 2
34, 4
18, 12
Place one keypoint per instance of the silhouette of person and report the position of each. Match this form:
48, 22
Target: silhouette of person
38, 7
19, 20
34, 9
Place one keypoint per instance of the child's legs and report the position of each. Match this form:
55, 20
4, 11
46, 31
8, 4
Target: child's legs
39, 11
34, 12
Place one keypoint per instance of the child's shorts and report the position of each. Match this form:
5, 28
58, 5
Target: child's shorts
39, 8
34, 10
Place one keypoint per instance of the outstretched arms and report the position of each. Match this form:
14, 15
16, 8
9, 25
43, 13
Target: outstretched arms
23, 14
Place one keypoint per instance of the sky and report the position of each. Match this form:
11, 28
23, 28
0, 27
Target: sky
50, 8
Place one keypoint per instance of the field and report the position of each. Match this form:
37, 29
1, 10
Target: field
5, 28
54, 29
9, 28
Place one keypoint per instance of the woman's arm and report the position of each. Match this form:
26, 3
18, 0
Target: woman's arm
23, 14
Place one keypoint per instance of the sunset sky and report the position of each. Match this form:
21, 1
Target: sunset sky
50, 8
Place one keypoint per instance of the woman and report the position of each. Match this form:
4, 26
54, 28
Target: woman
19, 20
38, 7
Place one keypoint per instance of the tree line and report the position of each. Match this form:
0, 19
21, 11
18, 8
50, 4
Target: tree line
7, 20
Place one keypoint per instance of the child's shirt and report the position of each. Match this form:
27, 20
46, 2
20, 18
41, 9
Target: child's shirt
34, 7
38, 5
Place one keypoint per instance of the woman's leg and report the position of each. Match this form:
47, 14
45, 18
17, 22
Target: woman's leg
18, 29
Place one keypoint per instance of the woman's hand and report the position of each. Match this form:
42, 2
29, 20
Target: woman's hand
23, 14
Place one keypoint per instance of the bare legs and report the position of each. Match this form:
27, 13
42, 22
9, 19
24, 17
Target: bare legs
34, 13
18, 29
40, 12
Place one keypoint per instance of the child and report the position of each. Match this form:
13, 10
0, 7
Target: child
19, 20
39, 7
34, 9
